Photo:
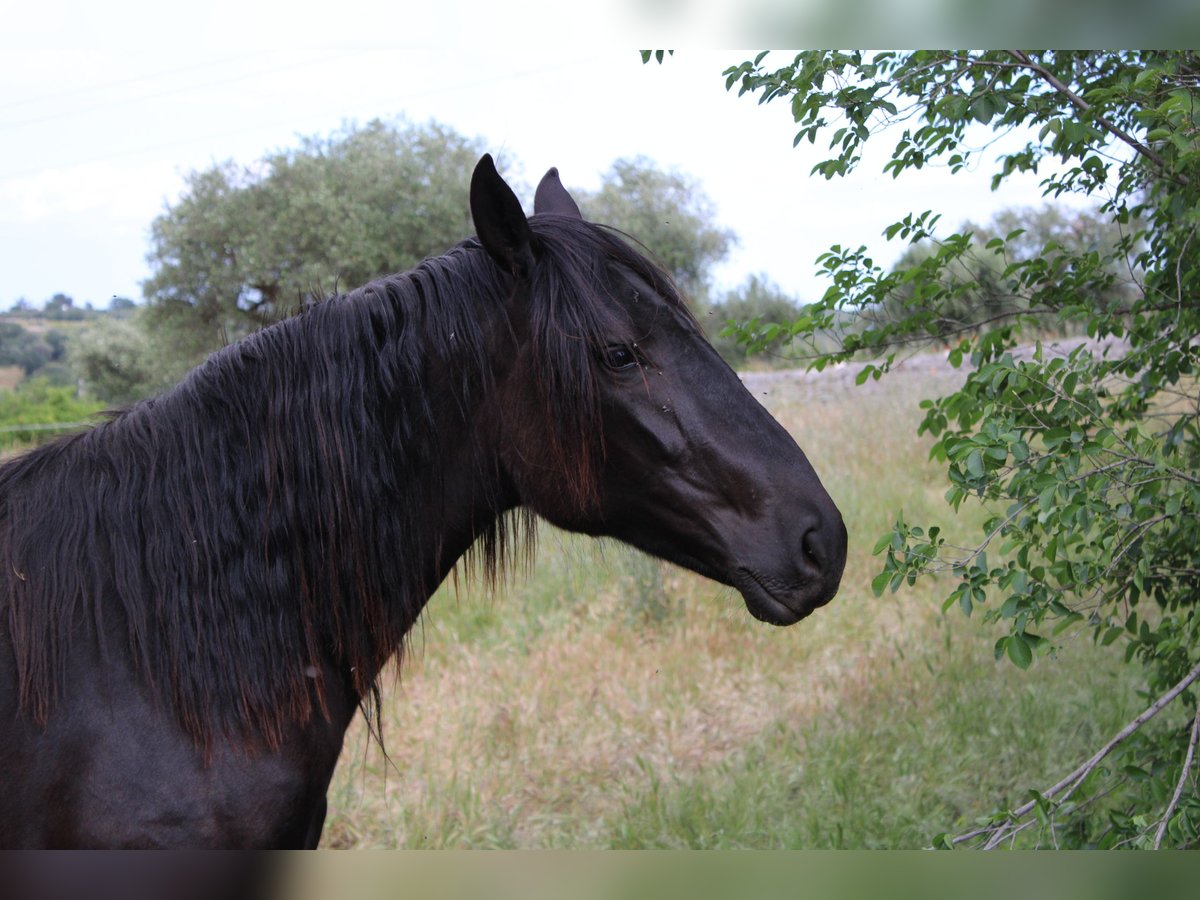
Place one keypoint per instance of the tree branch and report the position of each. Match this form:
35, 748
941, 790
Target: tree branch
1067, 786
1183, 777
1083, 106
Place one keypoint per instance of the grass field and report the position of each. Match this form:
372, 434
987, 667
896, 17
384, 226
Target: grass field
609, 700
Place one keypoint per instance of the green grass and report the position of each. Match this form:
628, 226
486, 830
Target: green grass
609, 700
932, 738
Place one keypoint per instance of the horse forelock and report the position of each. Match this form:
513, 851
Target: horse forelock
576, 313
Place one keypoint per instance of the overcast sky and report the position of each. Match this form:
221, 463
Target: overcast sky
104, 107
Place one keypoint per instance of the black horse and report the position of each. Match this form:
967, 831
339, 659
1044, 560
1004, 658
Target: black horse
197, 595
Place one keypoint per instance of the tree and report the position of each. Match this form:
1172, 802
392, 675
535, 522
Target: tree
245, 245
669, 213
60, 306
121, 307
1087, 462
119, 362
18, 347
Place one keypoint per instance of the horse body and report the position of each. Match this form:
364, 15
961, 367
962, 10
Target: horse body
197, 596
113, 768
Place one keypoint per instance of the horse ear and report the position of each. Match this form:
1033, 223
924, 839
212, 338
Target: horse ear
501, 225
552, 197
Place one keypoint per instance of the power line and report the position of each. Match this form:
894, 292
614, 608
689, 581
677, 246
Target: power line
107, 85
126, 101
263, 125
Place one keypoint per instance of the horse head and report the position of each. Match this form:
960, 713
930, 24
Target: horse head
617, 418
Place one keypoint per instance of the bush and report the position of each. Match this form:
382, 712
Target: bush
39, 410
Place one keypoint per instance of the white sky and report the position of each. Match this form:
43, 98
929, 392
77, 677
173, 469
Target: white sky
104, 107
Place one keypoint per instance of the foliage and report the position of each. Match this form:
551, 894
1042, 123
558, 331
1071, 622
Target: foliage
977, 293
669, 213
121, 307
19, 347
757, 307
1086, 460
245, 245
41, 405
59, 307
119, 361
47, 343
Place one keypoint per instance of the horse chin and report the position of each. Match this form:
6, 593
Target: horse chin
768, 599
772, 603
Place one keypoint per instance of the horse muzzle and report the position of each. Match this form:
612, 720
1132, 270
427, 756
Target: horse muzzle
809, 580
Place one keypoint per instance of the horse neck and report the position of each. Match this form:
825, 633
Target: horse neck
409, 479
363, 471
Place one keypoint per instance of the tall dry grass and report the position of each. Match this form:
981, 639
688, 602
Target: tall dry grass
609, 700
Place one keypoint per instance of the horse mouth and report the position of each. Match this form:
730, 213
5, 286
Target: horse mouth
773, 602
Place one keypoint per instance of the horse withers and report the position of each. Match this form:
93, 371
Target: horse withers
197, 595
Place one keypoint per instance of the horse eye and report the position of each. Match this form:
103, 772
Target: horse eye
620, 357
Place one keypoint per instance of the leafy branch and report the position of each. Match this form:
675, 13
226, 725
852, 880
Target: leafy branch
1086, 465
1005, 825
1085, 107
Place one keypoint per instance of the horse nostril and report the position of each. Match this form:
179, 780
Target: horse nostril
810, 544
818, 556
823, 546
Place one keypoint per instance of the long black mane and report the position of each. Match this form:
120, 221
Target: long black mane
282, 503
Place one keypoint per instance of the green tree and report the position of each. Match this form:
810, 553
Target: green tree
60, 306
19, 347
244, 245
119, 361
121, 307
669, 213
1088, 462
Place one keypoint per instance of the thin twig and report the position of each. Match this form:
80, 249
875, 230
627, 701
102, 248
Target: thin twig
1183, 777
1000, 836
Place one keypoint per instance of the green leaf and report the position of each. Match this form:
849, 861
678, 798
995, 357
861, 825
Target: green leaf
982, 110
880, 582
974, 464
1019, 651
